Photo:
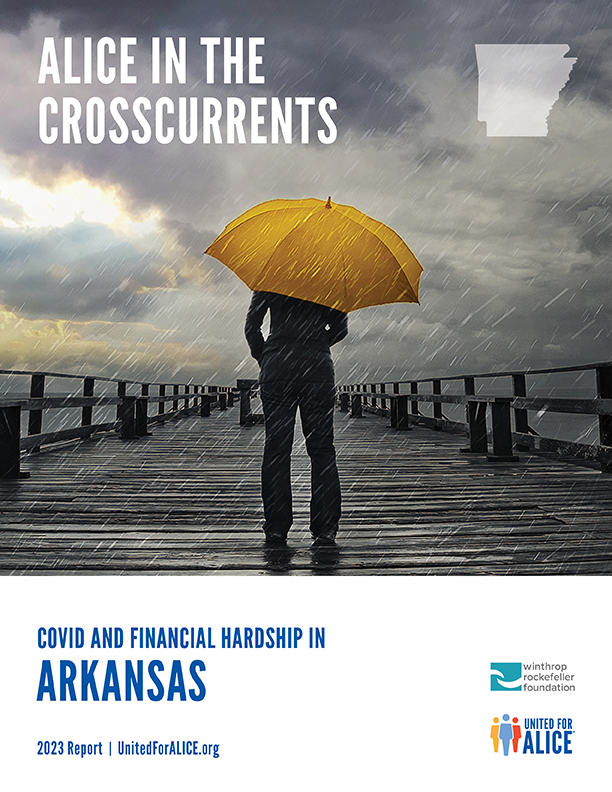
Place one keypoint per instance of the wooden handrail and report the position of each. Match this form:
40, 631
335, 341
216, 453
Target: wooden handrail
132, 419
513, 373
524, 437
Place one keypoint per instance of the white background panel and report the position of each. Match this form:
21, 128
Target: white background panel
399, 696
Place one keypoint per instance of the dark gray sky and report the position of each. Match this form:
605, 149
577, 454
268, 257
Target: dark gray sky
101, 245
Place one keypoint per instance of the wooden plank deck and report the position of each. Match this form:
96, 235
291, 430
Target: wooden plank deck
186, 501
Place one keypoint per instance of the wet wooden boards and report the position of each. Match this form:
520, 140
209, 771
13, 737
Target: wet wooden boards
186, 501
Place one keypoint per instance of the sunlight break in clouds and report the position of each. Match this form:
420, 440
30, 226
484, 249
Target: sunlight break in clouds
71, 200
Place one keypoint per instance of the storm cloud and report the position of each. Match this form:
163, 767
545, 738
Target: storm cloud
514, 234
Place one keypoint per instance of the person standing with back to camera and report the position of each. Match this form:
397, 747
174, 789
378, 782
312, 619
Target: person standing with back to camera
297, 371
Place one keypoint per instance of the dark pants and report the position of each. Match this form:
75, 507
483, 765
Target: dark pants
306, 380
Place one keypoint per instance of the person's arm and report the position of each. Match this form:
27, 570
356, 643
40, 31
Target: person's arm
254, 320
338, 328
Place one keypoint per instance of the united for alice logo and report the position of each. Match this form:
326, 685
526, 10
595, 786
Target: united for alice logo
532, 735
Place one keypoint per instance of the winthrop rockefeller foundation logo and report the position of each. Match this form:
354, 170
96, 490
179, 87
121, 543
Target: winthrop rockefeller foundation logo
532, 677
506, 676
536, 736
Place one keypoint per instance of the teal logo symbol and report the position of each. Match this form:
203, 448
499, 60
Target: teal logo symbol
506, 676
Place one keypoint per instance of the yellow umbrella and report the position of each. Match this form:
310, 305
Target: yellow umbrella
326, 253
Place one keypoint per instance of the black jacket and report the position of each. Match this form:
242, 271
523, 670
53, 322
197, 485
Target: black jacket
293, 322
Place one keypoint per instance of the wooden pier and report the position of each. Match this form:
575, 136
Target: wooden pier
186, 501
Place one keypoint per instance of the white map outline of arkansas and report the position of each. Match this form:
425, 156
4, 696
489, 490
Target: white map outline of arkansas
518, 84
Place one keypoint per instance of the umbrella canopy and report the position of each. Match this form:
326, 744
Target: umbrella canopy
326, 253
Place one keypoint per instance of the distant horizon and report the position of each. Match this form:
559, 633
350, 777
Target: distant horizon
449, 375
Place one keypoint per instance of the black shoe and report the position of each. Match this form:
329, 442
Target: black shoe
272, 540
325, 540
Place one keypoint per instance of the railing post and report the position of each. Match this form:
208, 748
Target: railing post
222, 401
344, 401
437, 406
121, 389
403, 421
10, 431
245, 401
204, 404
87, 411
127, 417
383, 389
393, 414
230, 397
141, 417
245, 386
161, 407
187, 399
414, 403
37, 391
373, 401
502, 431
521, 417
142, 411
356, 406
476, 416
604, 391
175, 403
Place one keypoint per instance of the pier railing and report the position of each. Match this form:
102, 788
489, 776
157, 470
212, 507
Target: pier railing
496, 414
128, 402
500, 419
